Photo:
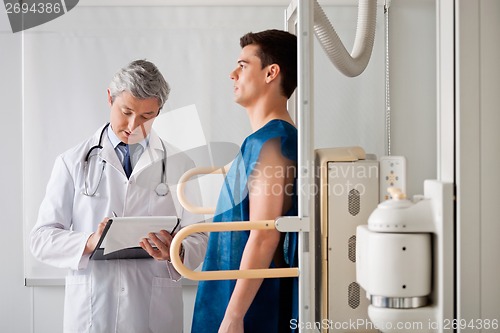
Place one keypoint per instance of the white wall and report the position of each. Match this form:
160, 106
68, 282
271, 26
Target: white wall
39, 309
16, 306
412, 43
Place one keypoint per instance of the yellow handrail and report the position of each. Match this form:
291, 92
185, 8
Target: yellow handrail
227, 274
182, 184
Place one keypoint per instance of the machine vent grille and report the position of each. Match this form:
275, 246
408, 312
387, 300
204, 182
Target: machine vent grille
354, 202
354, 295
352, 248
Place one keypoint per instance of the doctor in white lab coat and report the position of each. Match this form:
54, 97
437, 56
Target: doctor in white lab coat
134, 295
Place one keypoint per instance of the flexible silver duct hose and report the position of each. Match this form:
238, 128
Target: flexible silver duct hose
355, 64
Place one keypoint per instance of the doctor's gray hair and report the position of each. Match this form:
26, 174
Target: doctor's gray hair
142, 79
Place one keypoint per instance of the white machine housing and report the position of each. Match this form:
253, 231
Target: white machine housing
405, 261
397, 266
348, 185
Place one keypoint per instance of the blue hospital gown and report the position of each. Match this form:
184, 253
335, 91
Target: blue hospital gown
276, 302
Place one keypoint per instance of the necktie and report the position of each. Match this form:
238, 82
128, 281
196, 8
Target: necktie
127, 165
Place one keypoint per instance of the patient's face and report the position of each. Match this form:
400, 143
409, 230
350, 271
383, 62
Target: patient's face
249, 78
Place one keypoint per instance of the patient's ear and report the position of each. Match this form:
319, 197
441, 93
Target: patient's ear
272, 72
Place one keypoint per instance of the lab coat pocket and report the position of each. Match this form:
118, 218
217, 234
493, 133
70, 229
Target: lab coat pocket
161, 204
77, 304
166, 307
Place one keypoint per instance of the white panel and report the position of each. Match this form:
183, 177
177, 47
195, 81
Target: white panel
352, 196
48, 302
468, 132
490, 158
445, 32
69, 62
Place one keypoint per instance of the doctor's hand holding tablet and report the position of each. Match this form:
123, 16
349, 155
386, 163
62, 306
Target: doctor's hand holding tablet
93, 240
157, 245
119, 238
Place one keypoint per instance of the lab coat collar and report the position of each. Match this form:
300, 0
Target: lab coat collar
152, 153
115, 141
107, 152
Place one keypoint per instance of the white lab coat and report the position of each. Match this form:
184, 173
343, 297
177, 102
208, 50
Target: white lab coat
135, 296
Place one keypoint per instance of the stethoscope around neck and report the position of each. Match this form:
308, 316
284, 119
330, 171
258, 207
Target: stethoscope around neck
161, 189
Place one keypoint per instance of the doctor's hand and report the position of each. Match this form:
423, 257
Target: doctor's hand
94, 238
162, 241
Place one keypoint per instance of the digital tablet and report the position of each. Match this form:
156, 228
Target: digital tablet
121, 236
